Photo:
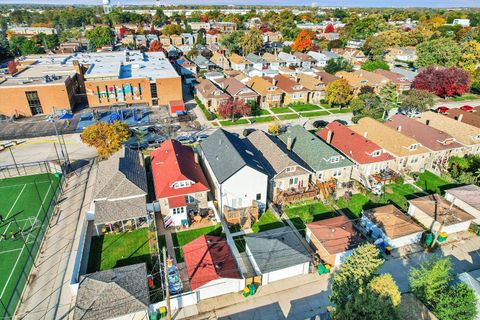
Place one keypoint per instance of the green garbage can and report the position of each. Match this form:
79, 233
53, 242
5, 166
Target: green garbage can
246, 292
442, 236
57, 174
163, 312
321, 269
429, 239
154, 315
252, 288
478, 231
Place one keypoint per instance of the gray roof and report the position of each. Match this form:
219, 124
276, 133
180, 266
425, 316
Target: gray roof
276, 249
202, 61
112, 293
470, 194
121, 175
107, 211
226, 154
313, 150
410, 75
330, 54
253, 58
274, 154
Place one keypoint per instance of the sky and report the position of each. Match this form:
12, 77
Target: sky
339, 3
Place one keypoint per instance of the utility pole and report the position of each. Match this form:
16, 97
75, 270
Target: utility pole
448, 212
165, 273
13, 158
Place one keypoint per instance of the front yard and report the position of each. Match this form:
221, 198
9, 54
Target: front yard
120, 249
304, 212
181, 238
299, 107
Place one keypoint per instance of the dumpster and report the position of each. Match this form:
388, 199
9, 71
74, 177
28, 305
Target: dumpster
163, 312
442, 236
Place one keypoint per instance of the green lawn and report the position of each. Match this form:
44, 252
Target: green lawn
233, 123
183, 237
210, 116
315, 114
465, 97
281, 110
344, 110
261, 112
266, 222
119, 249
288, 116
432, 183
263, 119
398, 194
307, 211
353, 208
304, 107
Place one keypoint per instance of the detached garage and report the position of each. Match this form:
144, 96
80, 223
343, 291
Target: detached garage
277, 254
467, 198
432, 210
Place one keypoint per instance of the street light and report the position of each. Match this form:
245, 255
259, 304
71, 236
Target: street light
62, 145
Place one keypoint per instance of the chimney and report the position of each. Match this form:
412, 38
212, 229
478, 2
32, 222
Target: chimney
274, 81
427, 122
195, 157
365, 134
329, 136
297, 79
289, 143
460, 118
399, 128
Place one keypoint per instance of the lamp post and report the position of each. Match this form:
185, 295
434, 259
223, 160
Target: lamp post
62, 144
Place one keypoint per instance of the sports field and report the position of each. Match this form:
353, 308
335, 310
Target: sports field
26, 204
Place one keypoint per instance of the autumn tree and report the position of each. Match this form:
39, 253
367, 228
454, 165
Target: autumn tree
470, 56
417, 100
442, 52
233, 108
329, 28
155, 46
251, 41
444, 82
303, 42
105, 137
338, 92
171, 29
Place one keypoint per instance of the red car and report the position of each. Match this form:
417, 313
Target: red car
442, 109
466, 108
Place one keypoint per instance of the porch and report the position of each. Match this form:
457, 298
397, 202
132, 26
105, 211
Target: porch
385, 176
244, 217
294, 194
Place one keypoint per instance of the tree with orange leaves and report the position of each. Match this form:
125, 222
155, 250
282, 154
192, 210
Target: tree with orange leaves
304, 41
155, 46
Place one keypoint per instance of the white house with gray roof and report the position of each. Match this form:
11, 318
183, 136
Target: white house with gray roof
466, 198
120, 191
235, 173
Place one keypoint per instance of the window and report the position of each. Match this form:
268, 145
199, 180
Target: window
413, 147
376, 153
190, 199
34, 102
276, 97
293, 181
414, 160
320, 176
271, 88
335, 159
178, 210
337, 173
290, 169
259, 196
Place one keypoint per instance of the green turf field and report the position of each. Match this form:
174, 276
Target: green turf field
26, 204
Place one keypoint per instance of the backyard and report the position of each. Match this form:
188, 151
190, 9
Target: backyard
304, 212
432, 183
266, 222
181, 238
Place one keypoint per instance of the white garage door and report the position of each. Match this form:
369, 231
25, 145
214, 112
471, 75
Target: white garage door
219, 287
285, 273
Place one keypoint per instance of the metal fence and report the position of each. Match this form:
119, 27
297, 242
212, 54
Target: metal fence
29, 169
8, 303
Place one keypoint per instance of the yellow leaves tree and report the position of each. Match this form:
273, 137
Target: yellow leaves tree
338, 92
105, 137
470, 56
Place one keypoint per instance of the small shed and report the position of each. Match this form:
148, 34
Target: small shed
467, 198
277, 254
175, 106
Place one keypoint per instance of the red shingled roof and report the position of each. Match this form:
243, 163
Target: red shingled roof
176, 202
208, 258
174, 162
352, 144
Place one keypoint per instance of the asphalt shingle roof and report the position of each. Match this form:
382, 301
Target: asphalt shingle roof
276, 249
107, 211
226, 154
313, 150
100, 293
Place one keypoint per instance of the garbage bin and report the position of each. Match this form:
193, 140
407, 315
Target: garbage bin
429, 239
442, 236
163, 312
252, 288
321, 269
246, 292
327, 268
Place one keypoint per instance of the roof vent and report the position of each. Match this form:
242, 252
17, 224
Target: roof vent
333, 230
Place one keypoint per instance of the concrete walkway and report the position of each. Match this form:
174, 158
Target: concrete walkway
168, 237
48, 295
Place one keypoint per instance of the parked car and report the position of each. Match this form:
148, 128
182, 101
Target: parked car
442, 109
185, 139
320, 124
345, 123
201, 137
466, 108
138, 146
175, 285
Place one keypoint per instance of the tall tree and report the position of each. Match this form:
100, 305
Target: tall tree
99, 36
304, 41
417, 100
388, 96
106, 138
470, 57
438, 52
339, 64
231, 41
338, 92
444, 82
251, 41
366, 105
233, 108
458, 302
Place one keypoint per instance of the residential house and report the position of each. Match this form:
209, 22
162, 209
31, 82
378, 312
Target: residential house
188, 39
464, 133
402, 82
271, 36
220, 60
257, 62
99, 291
390, 224
277, 254
395, 55
165, 40
355, 43
176, 40
294, 91
210, 95
211, 267
322, 57
214, 76
119, 192
237, 89
461, 22
238, 62
290, 59
334, 239
236, 175
203, 63
273, 61
287, 173
468, 117
466, 198
326, 77
354, 56
307, 61
180, 185
361, 78
407, 73
225, 27
140, 40
435, 212
186, 67
330, 36
196, 26
315, 86
270, 94
212, 38
442, 145
369, 157
410, 155
327, 163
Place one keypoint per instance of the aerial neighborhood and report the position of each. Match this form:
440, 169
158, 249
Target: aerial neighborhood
239, 162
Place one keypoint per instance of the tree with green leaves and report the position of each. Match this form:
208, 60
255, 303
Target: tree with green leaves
200, 38
4, 46
417, 100
388, 95
251, 41
338, 93
20, 45
231, 41
159, 18
458, 302
442, 52
366, 105
100, 36
339, 64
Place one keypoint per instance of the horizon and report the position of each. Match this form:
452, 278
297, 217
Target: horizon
436, 4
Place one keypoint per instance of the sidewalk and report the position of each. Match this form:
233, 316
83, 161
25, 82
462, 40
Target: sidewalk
48, 296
